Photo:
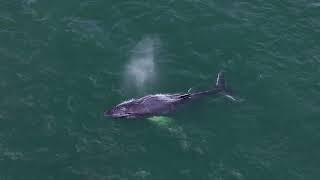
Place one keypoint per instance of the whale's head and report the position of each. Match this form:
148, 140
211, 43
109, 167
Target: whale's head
117, 112
120, 111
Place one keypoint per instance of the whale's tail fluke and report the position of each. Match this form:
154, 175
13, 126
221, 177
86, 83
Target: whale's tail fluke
222, 87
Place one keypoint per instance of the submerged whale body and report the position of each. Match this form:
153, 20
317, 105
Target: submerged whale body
159, 104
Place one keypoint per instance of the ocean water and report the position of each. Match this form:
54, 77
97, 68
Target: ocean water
63, 63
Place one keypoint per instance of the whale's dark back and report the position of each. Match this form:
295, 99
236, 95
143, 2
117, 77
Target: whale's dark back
157, 104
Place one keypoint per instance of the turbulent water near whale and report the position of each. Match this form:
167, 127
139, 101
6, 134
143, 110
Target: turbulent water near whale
62, 63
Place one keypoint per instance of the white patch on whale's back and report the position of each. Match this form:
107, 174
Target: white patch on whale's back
160, 97
126, 102
165, 97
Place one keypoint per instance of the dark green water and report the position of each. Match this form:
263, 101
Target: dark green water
62, 63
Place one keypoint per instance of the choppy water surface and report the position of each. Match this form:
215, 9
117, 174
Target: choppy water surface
62, 63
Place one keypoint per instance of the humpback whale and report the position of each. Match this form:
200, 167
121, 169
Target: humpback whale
159, 104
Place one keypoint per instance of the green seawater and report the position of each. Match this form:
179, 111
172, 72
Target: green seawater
63, 63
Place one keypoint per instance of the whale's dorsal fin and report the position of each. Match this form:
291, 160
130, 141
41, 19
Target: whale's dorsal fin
184, 96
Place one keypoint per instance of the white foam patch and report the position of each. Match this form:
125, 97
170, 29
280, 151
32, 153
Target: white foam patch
315, 4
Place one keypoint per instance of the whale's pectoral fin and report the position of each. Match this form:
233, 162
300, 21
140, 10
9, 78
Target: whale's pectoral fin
161, 120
